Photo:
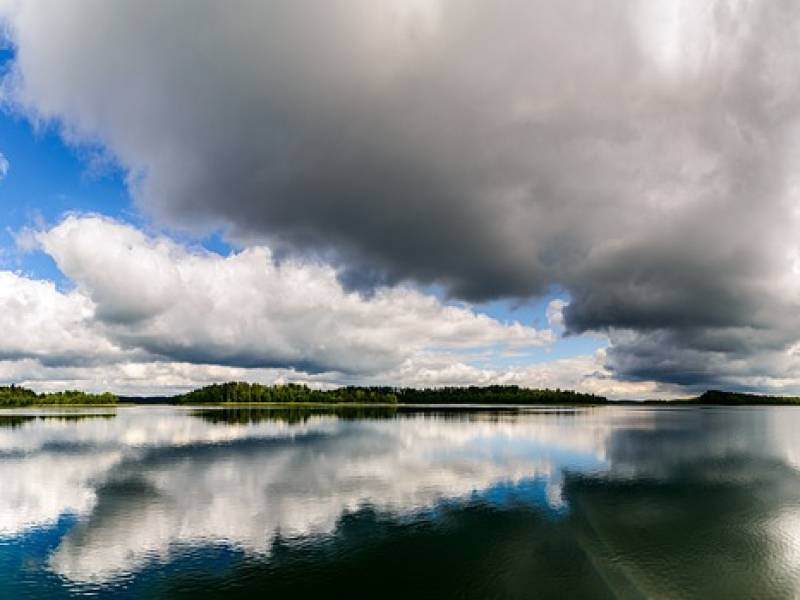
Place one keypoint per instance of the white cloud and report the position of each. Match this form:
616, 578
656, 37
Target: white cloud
555, 312
4, 166
39, 321
245, 310
149, 315
128, 276
146, 377
586, 373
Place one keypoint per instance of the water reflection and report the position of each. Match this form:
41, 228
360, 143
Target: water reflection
11, 419
250, 415
617, 501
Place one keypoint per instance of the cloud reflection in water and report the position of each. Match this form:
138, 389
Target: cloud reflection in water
651, 498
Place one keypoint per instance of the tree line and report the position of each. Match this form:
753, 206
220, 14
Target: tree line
496, 394
291, 393
721, 398
14, 395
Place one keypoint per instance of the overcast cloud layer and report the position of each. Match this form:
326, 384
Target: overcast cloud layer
640, 155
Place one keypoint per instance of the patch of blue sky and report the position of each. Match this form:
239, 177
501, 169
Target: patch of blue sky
46, 180
561, 348
532, 313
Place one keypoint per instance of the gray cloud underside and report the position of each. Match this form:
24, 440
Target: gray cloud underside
639, 155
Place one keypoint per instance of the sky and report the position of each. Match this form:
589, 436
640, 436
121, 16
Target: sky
600, 195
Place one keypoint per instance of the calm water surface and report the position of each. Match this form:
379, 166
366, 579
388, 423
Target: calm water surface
612, 502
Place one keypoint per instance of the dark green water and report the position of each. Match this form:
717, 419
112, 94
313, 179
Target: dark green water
611, 502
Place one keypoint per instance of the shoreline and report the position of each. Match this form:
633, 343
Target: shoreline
464, 405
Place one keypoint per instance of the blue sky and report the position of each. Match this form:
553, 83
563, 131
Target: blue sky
45, 181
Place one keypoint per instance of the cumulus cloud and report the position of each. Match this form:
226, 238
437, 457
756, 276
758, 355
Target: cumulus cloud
246, 310
639, 155
586, 373
146, 314
56, 328
145, 376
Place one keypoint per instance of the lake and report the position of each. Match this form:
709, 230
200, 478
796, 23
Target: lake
605, 502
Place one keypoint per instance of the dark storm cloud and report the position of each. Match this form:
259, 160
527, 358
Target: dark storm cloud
638, 154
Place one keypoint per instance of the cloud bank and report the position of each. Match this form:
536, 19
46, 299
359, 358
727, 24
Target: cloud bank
146, 310
641, 156
246, 310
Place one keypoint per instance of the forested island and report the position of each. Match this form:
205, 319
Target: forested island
292, 393
13, 395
